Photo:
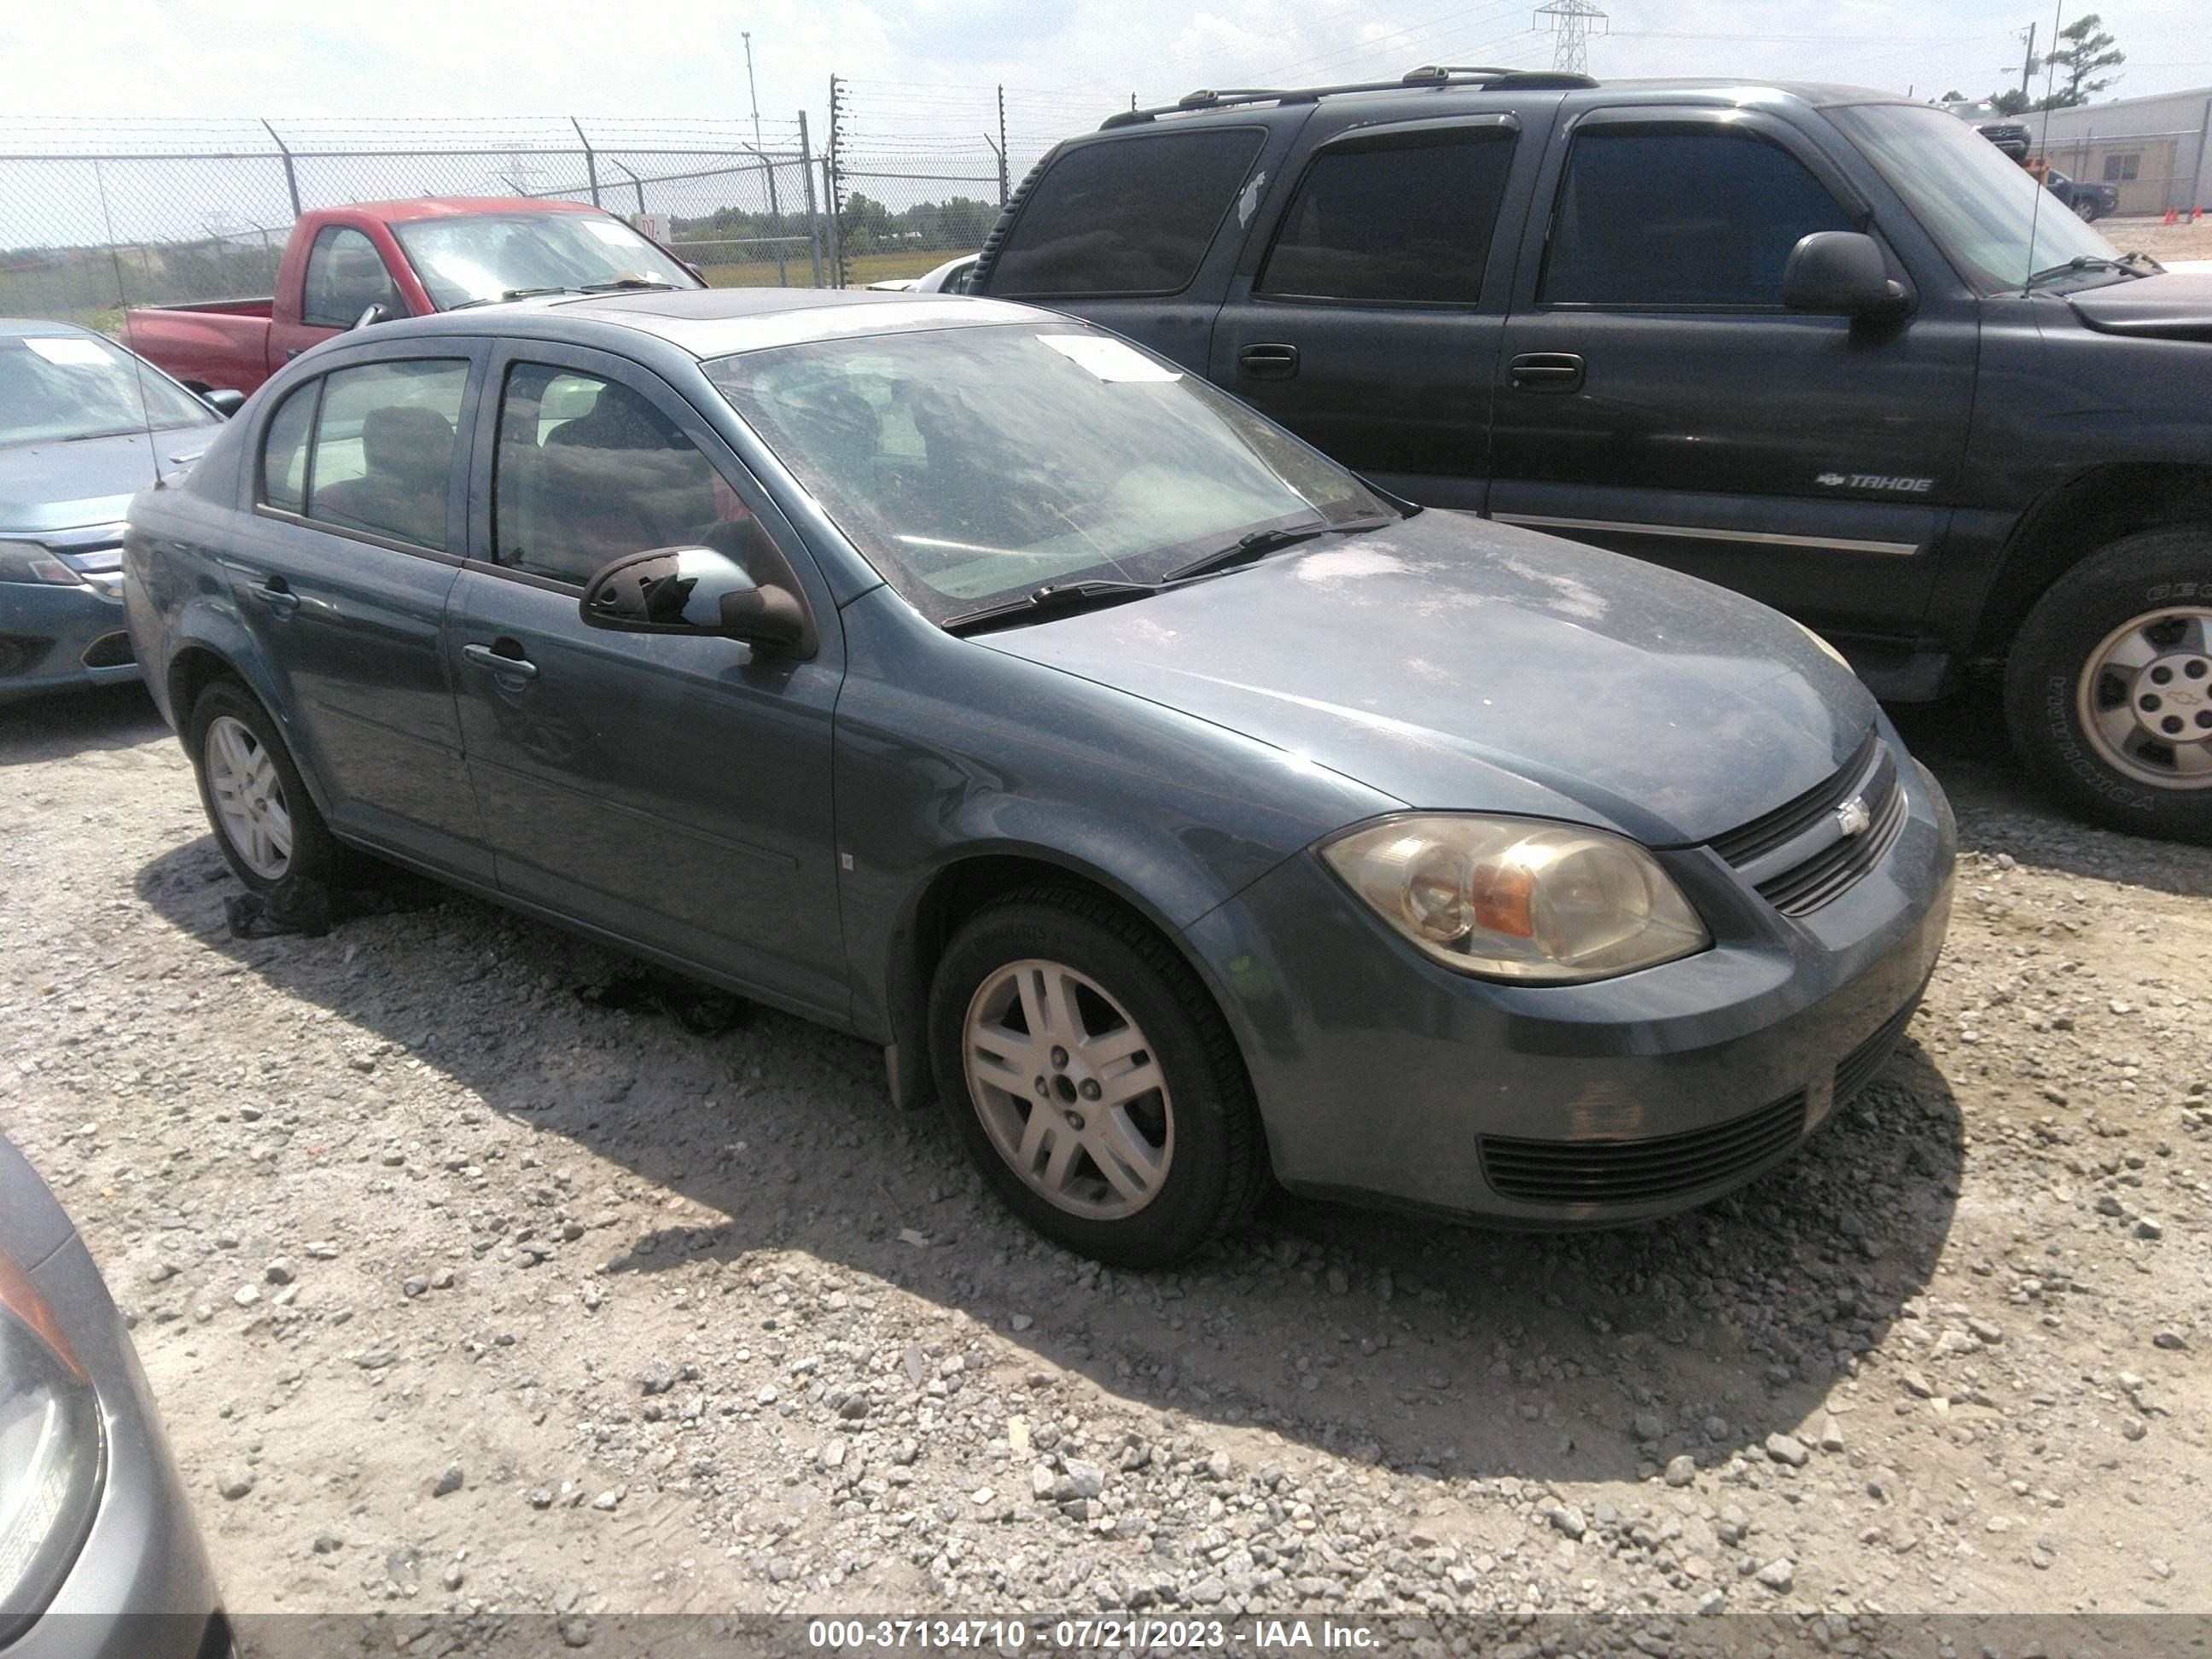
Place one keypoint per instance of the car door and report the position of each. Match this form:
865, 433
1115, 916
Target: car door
1658, 398
1369, 322
672, 791
341, 573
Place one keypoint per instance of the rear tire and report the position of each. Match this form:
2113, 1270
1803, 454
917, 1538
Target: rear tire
265, 821
2108, 685
1092, 1079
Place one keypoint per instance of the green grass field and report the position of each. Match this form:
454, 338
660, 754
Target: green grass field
867, 268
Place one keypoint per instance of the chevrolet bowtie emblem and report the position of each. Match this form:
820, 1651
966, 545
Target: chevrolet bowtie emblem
1852, 816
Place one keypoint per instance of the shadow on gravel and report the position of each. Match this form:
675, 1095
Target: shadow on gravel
54, 726
1435, 1349
2003, 809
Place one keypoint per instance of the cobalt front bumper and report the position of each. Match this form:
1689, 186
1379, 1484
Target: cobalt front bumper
61, 613
1383, 1077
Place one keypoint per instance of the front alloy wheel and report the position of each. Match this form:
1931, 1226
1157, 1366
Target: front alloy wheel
1090, 1075
1068, 1089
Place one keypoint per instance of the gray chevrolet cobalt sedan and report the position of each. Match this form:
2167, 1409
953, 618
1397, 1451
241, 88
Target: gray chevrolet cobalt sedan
1176, 809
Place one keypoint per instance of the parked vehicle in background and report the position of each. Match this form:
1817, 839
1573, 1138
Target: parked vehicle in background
951, 277
403, 259
957, 675
1849, 360
2087, 201
83, 424
99, 1556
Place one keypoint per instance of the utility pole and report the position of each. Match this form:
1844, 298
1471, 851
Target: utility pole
752, 90
1571, 20
2027, 63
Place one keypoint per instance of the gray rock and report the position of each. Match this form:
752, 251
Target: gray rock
278, 1272
1778, 1575
235, 1483
1566, 1518
450, 1481
1787, 1449
1087, 1479
1682, 1470
1209, 1592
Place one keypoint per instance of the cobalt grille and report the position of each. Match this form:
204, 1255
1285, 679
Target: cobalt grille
1638, 1172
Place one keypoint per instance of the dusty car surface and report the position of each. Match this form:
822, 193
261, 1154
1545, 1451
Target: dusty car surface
1174, 806
82, 424
100, 1558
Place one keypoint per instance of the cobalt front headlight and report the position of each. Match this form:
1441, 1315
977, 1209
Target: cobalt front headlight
1519, 899
51, 1453
28, 563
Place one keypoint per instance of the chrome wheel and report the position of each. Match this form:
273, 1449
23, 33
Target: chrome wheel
1069, 1090
249, 798
2145, 698
2085, 211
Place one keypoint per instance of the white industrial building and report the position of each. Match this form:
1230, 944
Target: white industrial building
2155, 148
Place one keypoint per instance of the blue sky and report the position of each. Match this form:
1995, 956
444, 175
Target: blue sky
923, 63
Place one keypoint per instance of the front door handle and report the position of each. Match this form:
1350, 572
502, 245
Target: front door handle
1268, 362
1545, 371
516, 666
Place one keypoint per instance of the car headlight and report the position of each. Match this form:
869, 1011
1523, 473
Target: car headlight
50, 1452
28, 562
1519, 899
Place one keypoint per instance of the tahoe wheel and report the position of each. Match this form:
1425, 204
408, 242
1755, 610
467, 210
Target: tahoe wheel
268, 828
1092, 1079
2108, 687
2084, 210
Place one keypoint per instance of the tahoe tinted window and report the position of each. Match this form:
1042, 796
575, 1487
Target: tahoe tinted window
1407, 222
1131, 215
1680, 219
383, 454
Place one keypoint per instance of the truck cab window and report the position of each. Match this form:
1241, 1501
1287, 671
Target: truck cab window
1406, 224
345, 277
1678, 218
1132, 215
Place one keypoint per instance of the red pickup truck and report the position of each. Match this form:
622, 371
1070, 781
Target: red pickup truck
408, 257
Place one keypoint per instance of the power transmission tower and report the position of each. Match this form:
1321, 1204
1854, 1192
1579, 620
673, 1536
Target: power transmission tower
1570, 26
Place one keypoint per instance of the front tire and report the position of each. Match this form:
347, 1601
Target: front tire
265, 821
2108, 687
2085, 211
1092, 1079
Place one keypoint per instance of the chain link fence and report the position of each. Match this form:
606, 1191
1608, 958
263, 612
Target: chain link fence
100, 213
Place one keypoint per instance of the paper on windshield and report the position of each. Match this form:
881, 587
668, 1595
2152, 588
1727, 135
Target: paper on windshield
1109, 359
609, 231
67, 349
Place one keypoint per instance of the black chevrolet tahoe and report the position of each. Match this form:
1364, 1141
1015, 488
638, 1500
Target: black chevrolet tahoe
1824, 346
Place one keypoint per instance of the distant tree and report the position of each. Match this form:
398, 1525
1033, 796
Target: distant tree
2011, 101
1953, 97
2087, 49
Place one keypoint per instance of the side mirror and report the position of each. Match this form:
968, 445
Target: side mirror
369, 315
1841, 273
225, 402
698, 591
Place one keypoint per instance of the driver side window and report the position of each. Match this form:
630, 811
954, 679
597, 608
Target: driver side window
589, 471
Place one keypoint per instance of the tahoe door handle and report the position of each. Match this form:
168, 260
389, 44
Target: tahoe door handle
517, 666
1545, 371
1268, 362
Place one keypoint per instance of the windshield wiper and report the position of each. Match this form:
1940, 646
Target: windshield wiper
2125, 264
515, 294
620, 282
1258, 544
1051, 600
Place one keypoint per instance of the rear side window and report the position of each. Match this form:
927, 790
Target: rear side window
1404, 223
1130, 215
345, 277
1674, 219
382, 460
284, 450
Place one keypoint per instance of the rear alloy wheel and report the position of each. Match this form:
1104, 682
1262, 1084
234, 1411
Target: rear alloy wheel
2084, 210
1092, 1079
2109, 685
263, 819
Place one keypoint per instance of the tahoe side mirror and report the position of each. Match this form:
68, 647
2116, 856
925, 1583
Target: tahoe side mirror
696, 590
226, 402
1841, 273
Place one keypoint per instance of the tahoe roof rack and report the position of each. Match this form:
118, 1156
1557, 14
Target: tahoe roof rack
1481, 77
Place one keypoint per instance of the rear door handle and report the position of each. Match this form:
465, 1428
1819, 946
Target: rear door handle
515, 667
1268, 362
1545, 371
272, 594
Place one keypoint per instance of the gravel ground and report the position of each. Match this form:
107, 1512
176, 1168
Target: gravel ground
461, 1294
